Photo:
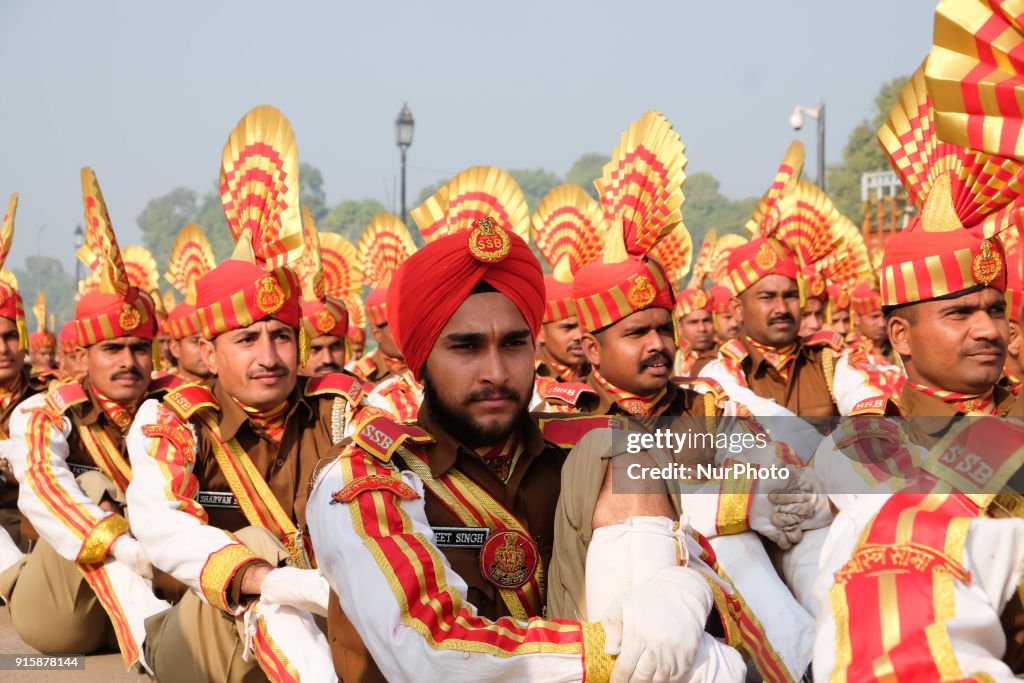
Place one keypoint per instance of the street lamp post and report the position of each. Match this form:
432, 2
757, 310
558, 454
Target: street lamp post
403, 137
79, 243
796, 119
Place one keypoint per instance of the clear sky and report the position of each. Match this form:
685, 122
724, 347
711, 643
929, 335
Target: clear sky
146, 93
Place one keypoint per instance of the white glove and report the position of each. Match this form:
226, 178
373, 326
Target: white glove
785, 513
622, 556
129, 552
304, 589
656, 628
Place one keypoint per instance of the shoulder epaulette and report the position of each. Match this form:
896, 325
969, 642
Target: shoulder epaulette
705, 385
734, 349
362, 367
63, 396
185, 400
336, 383
380, 436
569, 392
565, 432
165, 382
40, 382
833, 340
45, 376
870, 406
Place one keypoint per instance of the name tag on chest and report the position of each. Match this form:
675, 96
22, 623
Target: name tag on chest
460, 536
216, 499
79, 470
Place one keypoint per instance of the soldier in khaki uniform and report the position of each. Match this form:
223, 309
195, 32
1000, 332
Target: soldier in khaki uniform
697, 345
768, 367
386, 360
85, 585
625, 304
223, 469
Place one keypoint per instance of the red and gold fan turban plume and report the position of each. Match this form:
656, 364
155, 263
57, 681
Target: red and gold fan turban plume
641, 191
966, 199
568, 228
114, 307
191, 258
259, 187
384, 245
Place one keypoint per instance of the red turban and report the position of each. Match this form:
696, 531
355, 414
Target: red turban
720, 297
238, 293
919, 264
758, 258
692, 299
68, 337
40, 340
377, 306
183, 321
325, 316
605, 293
102, 317
559, 304
430, 286
865, 300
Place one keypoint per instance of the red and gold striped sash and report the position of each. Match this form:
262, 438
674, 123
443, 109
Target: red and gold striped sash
257, 502
743, 630
106, 454
97, 578
474, 507
891, 600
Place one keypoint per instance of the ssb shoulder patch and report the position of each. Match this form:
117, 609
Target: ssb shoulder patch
337, 384
833, 340
870, 406
568, 392
565, 432
187, 399
734, 349
63, 396
381, 436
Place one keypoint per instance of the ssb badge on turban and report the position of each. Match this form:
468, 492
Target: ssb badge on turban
987, 265
269, 295
325, 322
766, 258
129, 318
487, 241
641, 292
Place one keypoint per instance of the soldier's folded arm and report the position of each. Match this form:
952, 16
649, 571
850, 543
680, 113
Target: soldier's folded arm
78, 528
169, 523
